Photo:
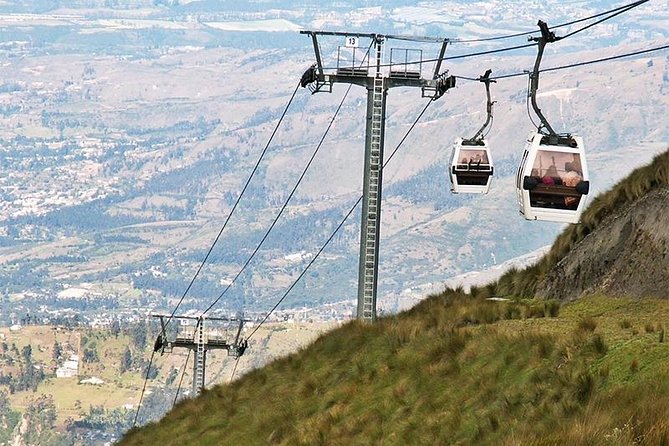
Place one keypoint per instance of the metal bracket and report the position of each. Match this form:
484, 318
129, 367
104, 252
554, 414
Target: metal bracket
486, 80
442, 85
547, 36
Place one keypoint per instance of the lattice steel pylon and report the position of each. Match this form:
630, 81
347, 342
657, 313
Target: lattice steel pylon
200, 341
377, 81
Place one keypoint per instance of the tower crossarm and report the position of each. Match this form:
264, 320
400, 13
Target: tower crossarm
200, 341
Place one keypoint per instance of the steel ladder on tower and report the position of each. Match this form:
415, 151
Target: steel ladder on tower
372, 230
199, 356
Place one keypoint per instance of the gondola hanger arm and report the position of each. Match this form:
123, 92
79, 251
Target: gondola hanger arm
485, 78
547, 36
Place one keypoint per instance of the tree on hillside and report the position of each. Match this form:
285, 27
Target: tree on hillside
4, 403
91, 355
153, 372
171, 377
156, 405
100, 419
8, 419
138, 334
40, 421
57, 351
126, 360
115, 328
27, 353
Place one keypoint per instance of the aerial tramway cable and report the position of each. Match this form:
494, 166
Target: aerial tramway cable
285, 204
234, 369
234, 207
617, 12
290, 195
141, 396
275, 219
258, 246
573, 65
183, 372
561, 25
339, 226
211, 248
609, 13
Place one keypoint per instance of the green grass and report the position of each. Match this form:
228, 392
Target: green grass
453, 370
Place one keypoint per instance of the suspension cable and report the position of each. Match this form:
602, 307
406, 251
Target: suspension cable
610, 14
617, 12
339, 226
606, 59
290, 196
561, 25
141, 396
183, 372
576, 64
234, 369
253, 171
285, 204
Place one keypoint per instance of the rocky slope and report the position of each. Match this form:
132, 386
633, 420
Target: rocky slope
627, 254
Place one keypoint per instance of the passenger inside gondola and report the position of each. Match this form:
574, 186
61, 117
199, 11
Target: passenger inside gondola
576, 164
553, 188
473, 160
473, 169
571, 178
552, 170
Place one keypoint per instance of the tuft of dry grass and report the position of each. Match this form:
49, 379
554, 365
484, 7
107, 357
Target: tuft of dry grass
587, 324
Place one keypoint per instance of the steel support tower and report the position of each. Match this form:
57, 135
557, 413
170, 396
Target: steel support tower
200, 341
377, 78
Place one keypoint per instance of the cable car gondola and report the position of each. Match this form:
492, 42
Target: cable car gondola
471, 163
471, 167
552, 179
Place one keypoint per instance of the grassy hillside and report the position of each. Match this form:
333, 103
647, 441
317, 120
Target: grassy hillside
461, 369
455, 369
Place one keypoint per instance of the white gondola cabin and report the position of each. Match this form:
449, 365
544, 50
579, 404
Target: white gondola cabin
552, 180
471, 167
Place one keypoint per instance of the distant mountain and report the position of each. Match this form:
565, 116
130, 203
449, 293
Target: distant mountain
462, 369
